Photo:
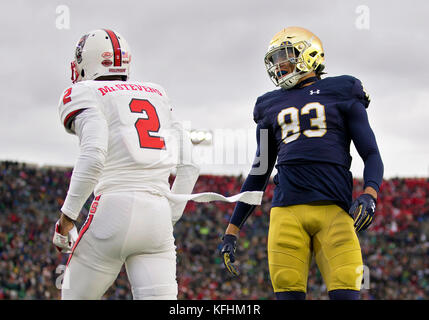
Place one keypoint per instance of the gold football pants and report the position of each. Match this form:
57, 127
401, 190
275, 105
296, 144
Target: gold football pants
297, 232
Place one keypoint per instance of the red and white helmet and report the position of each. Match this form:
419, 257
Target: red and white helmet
99, 53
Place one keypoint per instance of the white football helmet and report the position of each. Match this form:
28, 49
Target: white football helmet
99, 53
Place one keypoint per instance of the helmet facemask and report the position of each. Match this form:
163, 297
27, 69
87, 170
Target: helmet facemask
285, 64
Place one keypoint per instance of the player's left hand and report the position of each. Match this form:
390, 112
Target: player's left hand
362, 211
228, 253
64, 236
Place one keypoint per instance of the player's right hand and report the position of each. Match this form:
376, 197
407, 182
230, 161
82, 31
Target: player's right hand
64, 243
227, 252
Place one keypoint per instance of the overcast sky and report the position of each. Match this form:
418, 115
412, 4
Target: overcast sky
208, 55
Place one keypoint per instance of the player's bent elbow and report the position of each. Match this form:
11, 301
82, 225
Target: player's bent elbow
190, 169
94, 157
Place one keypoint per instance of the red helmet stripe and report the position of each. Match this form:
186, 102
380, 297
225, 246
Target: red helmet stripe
117, 55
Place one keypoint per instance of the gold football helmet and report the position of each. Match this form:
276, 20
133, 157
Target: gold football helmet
293, 53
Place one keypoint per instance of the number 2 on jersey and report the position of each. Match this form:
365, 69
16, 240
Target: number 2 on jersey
66, 98
146, 127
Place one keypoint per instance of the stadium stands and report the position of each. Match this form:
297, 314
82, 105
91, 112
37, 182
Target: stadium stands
395, 248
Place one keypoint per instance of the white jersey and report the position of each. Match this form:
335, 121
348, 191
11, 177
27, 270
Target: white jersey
142, 146
130, 143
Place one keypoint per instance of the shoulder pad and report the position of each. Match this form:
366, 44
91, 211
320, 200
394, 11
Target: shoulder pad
359, 93
74, 100
152, 87
354, 89
262, 103
257, 112
348, 88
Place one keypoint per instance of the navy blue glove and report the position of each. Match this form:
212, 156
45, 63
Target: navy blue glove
227, 252
362, 211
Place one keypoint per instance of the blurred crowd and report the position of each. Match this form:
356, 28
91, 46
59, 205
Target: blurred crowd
395, 248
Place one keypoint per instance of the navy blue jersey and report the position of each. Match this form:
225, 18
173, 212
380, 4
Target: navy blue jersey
310, 130
309, 123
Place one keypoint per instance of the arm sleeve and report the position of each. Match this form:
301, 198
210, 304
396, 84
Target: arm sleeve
259, 175
364, 140
187, 171
91, 128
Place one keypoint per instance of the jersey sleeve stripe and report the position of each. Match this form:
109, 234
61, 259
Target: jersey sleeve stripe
70, 117
117, 55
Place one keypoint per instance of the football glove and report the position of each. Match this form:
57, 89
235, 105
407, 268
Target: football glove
227, 252
362, 211
64, 244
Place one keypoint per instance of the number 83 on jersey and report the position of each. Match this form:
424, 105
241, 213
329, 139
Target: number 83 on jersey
291, 129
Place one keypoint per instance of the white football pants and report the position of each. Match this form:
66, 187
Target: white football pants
134, 228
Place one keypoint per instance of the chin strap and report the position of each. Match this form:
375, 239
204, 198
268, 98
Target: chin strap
303, 82
74, 72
